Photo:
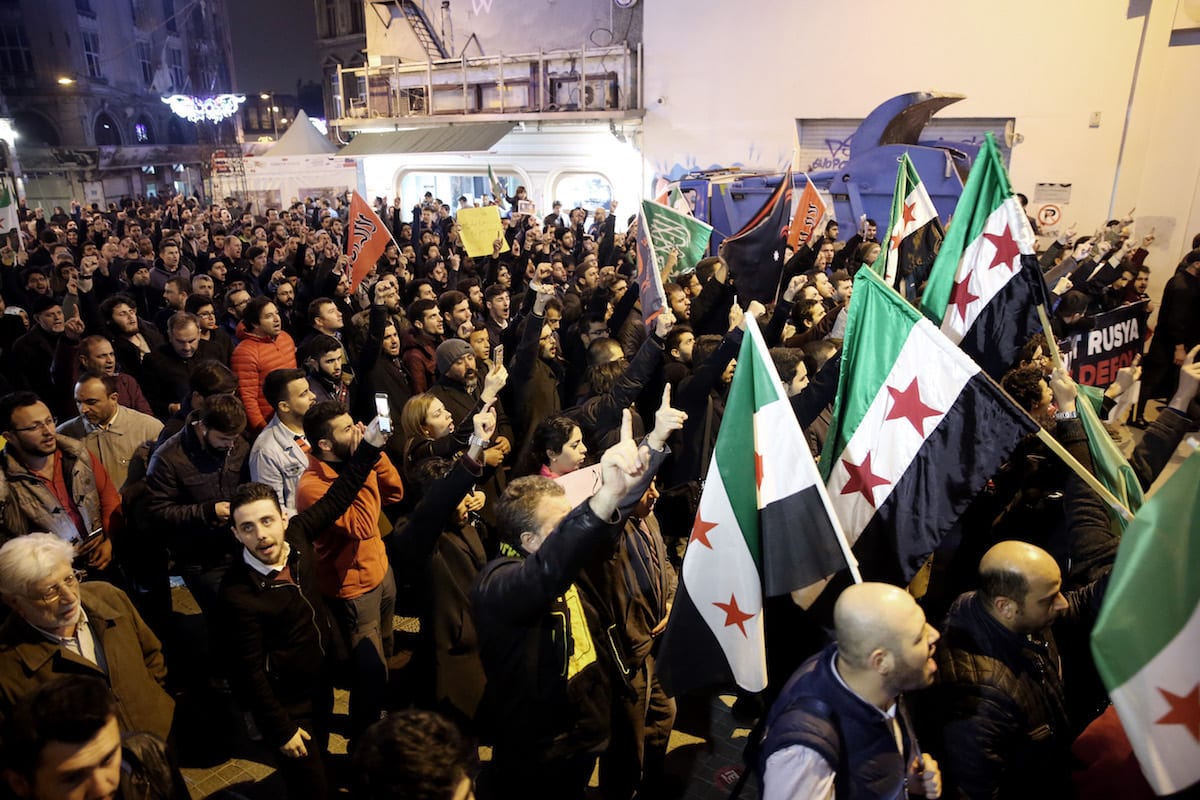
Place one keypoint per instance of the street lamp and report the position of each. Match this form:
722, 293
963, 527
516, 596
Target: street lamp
270, 97
65, 81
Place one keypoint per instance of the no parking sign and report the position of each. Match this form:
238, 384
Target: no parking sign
1049, 215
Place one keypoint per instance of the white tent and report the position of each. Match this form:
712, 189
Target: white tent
302, 139
303, 163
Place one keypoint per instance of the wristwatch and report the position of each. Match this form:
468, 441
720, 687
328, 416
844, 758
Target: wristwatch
475, 440
1061, 415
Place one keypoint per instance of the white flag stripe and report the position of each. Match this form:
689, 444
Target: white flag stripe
778, 442
726, 571
923, 212
1168, 753
986, 282
942, 370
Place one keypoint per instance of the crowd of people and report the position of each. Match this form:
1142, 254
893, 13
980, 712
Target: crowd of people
203, 391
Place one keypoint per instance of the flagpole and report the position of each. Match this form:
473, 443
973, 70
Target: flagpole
1093, 483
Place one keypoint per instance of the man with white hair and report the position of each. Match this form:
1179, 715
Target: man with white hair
60, 626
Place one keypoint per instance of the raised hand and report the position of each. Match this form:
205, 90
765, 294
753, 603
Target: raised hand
664, 323
793, 288
736, 317
485, 422
1064, 389
666, 420
75, 326
621, 467
493, 382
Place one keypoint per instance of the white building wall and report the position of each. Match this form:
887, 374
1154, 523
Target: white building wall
725, 82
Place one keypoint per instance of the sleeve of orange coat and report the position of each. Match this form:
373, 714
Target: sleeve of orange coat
245, 366
391, 487
360, 520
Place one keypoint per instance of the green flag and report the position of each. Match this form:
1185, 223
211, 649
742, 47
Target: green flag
672, 230
1148, 633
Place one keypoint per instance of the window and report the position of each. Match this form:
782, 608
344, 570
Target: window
357, 23
15, 56
330, 18
91, 53
145, 57
175, 64
85, 7
169, 16
141, 132
586, 189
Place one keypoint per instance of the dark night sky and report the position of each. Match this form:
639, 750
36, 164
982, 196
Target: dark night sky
274, 44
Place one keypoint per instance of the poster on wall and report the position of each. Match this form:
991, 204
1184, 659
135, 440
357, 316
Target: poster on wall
1096, 355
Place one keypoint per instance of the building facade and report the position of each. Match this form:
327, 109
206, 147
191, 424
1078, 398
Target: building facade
82, 82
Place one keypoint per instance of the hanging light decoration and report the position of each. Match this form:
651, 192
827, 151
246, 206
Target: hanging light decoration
197, 109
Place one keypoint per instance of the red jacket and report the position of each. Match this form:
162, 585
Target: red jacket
254, 357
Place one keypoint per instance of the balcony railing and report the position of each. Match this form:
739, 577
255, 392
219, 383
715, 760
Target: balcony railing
586, 81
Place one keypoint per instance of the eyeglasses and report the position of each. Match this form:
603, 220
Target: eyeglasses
55, 593
47, 424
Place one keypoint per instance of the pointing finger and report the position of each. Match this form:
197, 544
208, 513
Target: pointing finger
626, 426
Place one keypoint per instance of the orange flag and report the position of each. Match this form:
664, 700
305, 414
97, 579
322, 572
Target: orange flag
809, 213
366, 238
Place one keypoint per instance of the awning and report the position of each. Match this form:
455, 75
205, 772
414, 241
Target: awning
477, 138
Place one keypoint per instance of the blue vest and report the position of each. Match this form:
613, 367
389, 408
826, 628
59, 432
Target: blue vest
815, 711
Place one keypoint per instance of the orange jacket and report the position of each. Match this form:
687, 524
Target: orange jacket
252, 359
351, 559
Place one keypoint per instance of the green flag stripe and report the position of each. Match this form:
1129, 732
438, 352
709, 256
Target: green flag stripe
898, 194
987, 187
877, 327
734, 451
1155, 586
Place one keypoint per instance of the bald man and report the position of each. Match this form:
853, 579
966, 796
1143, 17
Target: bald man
1000, 701
838, 728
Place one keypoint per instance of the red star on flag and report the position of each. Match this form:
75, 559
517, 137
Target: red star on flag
908, 214
862, 479
734, 615
758, 469
962, 297
895, 241
700, 531
907, 404
1006, 247
1185, 711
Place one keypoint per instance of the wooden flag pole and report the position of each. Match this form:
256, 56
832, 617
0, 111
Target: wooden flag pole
1047, 439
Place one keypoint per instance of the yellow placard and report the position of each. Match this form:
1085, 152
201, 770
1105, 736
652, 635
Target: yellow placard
479, 228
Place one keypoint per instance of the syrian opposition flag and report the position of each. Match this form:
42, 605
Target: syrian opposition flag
650, 285
10, 216
764, 527
1148, 633
670, 230
917, 431
809, 213
915, 234
365, 240
755, 253
985, 285
677, 201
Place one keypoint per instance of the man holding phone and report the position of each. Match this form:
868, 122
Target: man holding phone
353, 572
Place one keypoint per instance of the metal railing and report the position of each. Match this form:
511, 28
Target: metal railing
584, 80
